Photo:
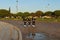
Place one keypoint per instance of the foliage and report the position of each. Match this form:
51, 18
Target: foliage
19, 14
39, 13
48, 13
26, 14
33, 14
4, 13
57, 13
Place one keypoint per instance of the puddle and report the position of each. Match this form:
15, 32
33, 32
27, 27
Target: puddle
38, 36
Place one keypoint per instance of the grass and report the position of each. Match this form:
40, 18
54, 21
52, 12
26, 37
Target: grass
48, 19
38, 19
11, 19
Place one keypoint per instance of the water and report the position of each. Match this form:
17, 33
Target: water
38, 36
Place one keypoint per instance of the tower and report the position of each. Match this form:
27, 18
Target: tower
9, 10
16, 5
48, 7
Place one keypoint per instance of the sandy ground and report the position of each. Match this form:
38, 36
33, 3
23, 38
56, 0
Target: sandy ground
51, 29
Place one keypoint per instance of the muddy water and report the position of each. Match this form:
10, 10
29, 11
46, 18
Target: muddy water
38, 36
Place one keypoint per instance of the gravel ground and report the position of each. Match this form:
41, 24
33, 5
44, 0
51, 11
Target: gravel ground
52, 29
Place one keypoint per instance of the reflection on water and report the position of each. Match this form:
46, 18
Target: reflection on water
38, 36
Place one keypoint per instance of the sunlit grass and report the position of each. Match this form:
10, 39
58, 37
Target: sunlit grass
10, 19
38, 19
48, 19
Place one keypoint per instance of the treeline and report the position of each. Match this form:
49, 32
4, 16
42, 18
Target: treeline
6, 13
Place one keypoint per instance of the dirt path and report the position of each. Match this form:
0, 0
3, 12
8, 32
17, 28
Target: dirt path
51, 29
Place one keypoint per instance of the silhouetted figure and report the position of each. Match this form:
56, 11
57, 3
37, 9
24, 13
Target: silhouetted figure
33, 22
29, 21
25, 21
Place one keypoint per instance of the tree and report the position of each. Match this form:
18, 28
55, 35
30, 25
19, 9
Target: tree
57, 13
48, 13
4, 13
39, 13
26, 14
14, 15
19, 14
33, 14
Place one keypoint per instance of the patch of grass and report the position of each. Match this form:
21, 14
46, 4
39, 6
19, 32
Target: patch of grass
10, 19
48, 19
38, 19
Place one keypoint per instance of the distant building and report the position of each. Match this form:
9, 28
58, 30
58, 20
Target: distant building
7, 17
46, 17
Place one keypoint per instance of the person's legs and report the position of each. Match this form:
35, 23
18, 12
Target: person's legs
24, 23
33, 23
29, 23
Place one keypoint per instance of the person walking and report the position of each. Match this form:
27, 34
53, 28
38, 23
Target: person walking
25, 21
33, 22
29, 22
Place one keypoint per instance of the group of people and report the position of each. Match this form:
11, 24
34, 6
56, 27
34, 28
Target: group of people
29, 21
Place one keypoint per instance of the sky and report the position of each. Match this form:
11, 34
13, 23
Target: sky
30, 5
